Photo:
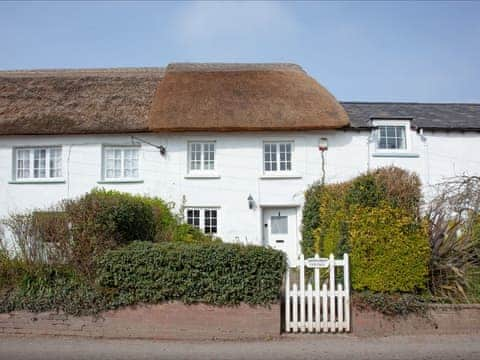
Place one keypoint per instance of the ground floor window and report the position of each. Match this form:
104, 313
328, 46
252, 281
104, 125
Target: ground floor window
205, 219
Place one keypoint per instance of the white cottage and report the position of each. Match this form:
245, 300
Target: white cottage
236, 144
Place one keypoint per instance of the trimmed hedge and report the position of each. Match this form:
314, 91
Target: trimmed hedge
219, 274
145, 272
375, 218
389, 250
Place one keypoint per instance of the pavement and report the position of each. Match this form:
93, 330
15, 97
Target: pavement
296, 347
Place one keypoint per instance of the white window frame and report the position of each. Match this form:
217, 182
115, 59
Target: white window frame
202, 169
385, 122
202, 210
31, 166
122, 177
279, 172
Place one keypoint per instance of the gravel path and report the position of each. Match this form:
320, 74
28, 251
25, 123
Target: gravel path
287, 347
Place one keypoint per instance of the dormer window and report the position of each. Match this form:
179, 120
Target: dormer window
392, 136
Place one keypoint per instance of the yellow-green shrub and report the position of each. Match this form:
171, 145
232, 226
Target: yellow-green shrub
389, 249
331, 231
374, 217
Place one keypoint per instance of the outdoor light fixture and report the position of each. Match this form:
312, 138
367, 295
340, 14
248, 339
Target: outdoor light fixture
161, 148
323, 144
251, 202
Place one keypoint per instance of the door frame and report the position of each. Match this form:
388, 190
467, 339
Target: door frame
297, 207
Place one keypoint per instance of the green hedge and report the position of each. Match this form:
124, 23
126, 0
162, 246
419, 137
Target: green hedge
375, 218
389, 250
218, 274
145, 272
52, 288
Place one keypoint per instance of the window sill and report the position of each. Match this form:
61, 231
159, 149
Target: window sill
120, 181
46, 181
280, 176
395, 154
202, 176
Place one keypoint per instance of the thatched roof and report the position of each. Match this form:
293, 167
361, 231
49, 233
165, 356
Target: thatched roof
76, 101
237, 97
197, 97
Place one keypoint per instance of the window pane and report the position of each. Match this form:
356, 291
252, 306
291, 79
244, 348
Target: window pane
39, 163
210, 220
23, 164
55, 162
193, 217
279, 224
285, 157
270, 157
130, 163
208, 156
195, 156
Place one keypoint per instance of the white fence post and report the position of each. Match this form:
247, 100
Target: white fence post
287, 299
317, 297
331, 264
302, 293
346, 281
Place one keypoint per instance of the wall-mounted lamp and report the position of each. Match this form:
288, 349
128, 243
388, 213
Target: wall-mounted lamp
162, 148
323, 144
251, 202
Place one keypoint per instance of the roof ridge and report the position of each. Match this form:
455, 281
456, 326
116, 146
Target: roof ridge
133, 71
126, 68
225, 66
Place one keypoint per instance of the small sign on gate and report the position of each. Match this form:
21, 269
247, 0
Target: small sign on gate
316, 263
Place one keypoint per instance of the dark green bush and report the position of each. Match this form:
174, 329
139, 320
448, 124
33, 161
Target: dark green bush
219, 274
11, 270
52, 287
104, 220
392, 304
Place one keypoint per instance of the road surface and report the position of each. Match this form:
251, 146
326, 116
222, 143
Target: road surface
288, 347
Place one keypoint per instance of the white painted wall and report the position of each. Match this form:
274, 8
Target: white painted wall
239, 165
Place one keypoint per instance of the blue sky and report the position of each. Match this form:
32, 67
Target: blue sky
371, 51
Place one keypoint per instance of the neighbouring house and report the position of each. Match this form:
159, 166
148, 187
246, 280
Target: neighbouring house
233, 145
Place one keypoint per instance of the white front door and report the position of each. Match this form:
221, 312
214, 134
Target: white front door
280, 230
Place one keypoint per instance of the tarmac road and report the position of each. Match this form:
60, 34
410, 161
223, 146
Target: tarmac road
287, 347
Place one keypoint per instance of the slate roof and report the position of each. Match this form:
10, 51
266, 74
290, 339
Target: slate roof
423, 115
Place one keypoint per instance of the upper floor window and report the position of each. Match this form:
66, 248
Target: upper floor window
120, 162
391, 137
277, 156
201, 156
38, 163
205, 219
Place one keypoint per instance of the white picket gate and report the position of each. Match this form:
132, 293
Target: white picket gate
321, 307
